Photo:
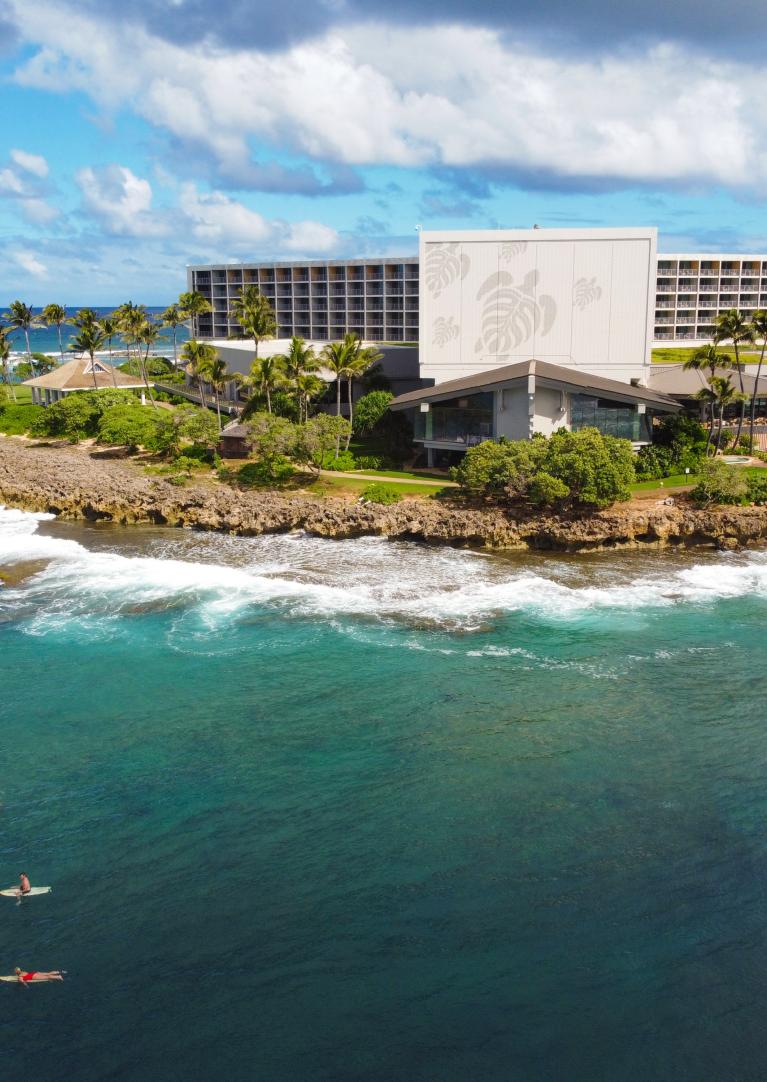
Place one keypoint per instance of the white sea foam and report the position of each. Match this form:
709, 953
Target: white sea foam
220, 579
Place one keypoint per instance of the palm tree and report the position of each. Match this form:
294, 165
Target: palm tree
20, 317
55, 315
5, 353
198, 357
337, 356
267, 374
110, 327
146, 334
192, 306
732, 327
174, 318
360, 359
89, 339
759, 329
130, 317
724, 395
217, 375
254, 314
707, 358
307, 386
298, 362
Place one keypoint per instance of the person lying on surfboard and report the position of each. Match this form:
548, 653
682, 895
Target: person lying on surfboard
25, 885
24, 978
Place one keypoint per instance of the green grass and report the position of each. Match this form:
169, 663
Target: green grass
676, 480
339, 486
23, 395
404, 475
683, 353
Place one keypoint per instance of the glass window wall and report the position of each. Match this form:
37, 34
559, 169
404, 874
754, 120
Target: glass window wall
611, 418
465, 421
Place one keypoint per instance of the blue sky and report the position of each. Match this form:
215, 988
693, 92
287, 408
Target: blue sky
139, 138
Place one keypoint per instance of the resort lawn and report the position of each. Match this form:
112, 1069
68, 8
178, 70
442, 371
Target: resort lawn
328, 485
679, 356
23, 395
676, 480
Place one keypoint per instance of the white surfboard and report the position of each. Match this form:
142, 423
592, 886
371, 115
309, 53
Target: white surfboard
13, 892
15, 980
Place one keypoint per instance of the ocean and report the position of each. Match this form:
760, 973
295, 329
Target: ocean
366, 811
46, 339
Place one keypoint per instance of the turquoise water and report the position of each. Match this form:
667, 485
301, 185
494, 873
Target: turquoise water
367, 811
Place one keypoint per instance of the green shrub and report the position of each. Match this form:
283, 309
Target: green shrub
383, 494
343, 464
177, 479
266, 472
592, 470
373, 462
720, 483
370, 410
77, 416
503, 468
596, 469
756, 488
130, 425
654, 462
16, 420
546, 491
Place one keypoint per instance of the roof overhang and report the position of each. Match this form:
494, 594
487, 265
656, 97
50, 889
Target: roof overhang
546, 375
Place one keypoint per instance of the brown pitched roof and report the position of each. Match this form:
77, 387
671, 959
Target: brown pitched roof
673, 379
554, 373
76, 375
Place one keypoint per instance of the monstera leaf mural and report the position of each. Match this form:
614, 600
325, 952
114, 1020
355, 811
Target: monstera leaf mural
444, 264
511, 313
445, 330
513, 248
585, 292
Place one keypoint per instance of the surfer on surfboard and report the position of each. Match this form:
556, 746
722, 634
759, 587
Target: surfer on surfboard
25, 886
25, 978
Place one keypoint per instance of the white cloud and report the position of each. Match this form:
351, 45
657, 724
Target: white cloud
30, 163
10, 183
226, 224
38, 211
120, 200
446, 95
29, 262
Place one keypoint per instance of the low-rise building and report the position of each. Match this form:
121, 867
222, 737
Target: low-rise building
79, 374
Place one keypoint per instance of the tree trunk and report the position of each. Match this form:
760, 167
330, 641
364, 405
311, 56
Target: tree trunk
7, 379
175, 351
756, 392
268, 398
29, 352
218, 406
350, 388
338, 411
145, 376
203, 403
93, 371
710, 408
742, 416
114, 373
61, 344
720, 431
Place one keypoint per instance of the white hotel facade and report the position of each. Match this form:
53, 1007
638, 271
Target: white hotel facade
378, 299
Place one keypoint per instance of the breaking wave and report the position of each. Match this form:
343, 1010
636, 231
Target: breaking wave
221, 579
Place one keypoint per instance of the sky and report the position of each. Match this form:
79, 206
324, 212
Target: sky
138, 138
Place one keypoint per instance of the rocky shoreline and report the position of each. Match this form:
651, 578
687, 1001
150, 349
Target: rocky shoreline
84, 483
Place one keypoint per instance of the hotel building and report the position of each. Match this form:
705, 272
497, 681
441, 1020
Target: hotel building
378, 299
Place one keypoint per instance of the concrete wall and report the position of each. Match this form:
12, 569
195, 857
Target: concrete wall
549, 412
578, 298
512, 416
